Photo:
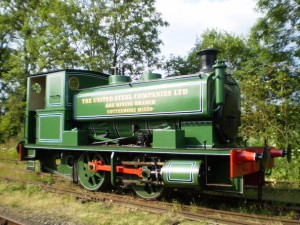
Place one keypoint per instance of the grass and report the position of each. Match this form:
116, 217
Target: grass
27, 199
291, 195
8, 151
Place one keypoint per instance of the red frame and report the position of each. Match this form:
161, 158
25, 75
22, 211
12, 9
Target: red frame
97, 165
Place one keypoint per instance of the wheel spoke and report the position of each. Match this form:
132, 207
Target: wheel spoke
98, 175
93, 180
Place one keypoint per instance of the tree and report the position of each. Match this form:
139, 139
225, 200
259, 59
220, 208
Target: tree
112, 34
8, 81
232, 48
279, 28
5, 52
270, 80
177, 65
34, 35
90, 36
271, 74
133, 33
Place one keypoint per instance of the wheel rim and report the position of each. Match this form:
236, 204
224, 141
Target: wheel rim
90, 180
147, 191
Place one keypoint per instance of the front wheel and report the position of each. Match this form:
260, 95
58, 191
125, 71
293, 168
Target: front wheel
90, 180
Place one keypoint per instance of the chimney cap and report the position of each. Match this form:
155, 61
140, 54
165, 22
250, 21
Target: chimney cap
208, 51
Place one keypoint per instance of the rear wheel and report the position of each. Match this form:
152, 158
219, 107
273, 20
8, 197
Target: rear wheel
90, 180
149, 188
148, 191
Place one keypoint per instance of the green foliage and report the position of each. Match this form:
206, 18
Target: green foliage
279, 28
232, 48
109, 34
269, 110
270, 82
287, 171
269, 78
177, 65
8, 150
11, 122
129, 34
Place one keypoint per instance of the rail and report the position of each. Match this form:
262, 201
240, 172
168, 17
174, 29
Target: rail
188, 212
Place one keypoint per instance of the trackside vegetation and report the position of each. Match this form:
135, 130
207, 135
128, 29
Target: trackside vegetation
34, 203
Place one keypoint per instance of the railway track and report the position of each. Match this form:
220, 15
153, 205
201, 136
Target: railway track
12, 160
189, 212
8, 221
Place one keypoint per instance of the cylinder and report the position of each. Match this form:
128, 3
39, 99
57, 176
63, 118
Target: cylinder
182, 173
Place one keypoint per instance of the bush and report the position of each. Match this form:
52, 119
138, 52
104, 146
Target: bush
285, 171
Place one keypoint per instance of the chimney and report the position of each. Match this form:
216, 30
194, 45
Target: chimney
208, 58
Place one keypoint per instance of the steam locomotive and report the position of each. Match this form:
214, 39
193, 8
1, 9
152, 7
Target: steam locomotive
103, 130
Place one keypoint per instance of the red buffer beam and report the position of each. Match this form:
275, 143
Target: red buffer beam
246, 161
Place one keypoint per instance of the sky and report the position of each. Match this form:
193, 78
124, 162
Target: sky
190, 18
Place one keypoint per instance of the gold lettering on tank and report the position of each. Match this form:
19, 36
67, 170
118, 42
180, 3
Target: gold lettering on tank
141, 102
